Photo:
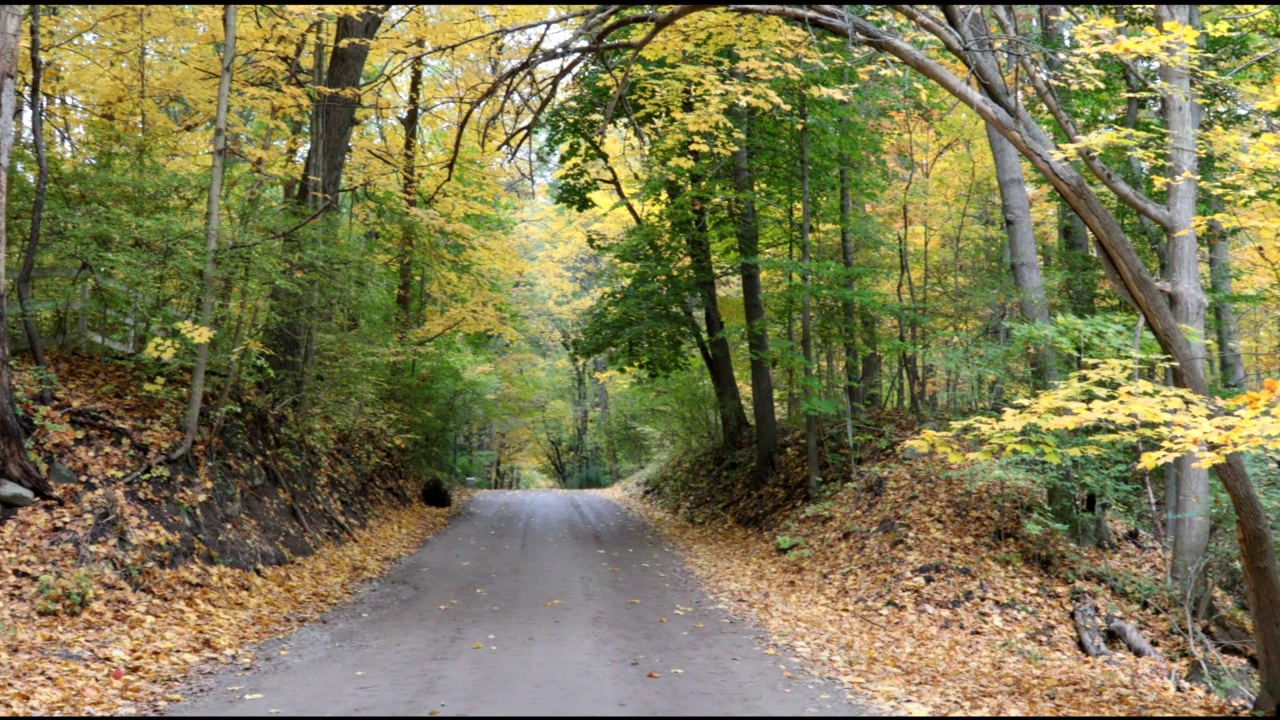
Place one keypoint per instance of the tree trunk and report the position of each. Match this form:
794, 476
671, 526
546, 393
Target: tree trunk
1230, 361
1022, 249
1188, 301
14, 465
848, 308
806, 311
733, 417
37, 210
748, 235
213, 217
333, 117
869, 390
409, 179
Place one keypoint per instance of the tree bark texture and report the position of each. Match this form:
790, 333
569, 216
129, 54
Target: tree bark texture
733, 418
1023, 260
336, 98
748, 236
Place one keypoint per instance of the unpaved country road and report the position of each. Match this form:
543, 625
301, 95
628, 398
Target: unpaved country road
547, 582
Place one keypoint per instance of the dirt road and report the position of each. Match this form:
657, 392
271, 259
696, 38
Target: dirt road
530, 603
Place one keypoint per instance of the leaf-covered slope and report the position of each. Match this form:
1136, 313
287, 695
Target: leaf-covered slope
115, 595
917, 589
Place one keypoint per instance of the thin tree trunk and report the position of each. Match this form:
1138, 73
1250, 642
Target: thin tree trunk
848, 308
37, 211
748, 235
1230, 360
806, 314
409, 176
213, 217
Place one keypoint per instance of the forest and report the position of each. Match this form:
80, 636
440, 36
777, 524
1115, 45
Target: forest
267, 269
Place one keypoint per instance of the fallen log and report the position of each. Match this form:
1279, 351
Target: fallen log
1085, 616
1132, 637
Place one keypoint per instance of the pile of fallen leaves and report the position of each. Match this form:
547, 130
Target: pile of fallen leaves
904, 588
128, 647
100, 615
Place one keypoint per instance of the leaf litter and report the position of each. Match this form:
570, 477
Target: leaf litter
905, 597
137, 630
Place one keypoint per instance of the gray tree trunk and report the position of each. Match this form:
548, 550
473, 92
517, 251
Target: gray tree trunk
1023, 259
213, 217
1230, 361
1188, 300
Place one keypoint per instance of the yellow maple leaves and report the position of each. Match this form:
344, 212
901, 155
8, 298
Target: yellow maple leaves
1104, 396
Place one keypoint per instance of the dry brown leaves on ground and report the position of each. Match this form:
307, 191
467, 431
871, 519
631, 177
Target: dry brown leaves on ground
129, 648
906, 598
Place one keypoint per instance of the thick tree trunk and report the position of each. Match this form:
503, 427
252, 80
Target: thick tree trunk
213, 218
1188, 300
37, 209
14, 465
292, 337
748, 235
733, 417
1022, 248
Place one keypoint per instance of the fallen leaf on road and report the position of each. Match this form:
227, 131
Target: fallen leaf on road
653, 675
634, 602
274, 711
676, 671
662, 619
359, 672
284, 652
480, 590
698, 625
477, 646
770, 651
254, 696
443, 607
234, 688
434, 712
